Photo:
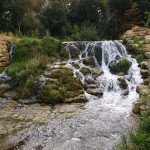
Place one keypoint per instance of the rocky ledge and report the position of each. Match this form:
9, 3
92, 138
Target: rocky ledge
138, 44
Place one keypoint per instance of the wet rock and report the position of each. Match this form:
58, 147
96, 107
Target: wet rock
78, 99
122, 83
96, 72
143, 65
148, 102
125, 93
87, 61
64, 54
74, 51
85, 71
118, 66
89, 80
76, 65
98, 53
144, 73
136, 107
95, 92
141, 89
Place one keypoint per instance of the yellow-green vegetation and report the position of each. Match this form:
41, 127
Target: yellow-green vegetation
124, 65
139, 139
31, 57
140, 57
61, 87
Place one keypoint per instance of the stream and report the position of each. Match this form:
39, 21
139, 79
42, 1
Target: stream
96, 125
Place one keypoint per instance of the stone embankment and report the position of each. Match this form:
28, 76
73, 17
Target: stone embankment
138, 44
5, 43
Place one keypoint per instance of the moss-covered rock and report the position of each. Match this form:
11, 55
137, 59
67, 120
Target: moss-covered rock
96, 72
85, 70
64, 54
76, 65
122, 83
95, 92
74, 52
121, 65
3, 89
61, 87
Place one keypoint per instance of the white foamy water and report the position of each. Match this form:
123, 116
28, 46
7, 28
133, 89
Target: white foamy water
103, 120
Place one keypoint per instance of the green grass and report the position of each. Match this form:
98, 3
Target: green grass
140, 58
31, 56
138, 139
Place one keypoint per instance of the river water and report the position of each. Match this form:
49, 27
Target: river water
98, 124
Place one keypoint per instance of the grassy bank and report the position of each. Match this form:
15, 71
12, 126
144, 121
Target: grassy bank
138, 139
30, 59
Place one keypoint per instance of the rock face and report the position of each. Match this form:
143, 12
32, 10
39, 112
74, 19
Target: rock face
5, 42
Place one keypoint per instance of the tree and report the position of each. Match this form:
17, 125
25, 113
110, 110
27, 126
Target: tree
54, 18
131, 17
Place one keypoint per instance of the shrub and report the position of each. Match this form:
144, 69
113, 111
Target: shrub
88, 32
27, 48
49, 45
28, 87
125, 65
140, 57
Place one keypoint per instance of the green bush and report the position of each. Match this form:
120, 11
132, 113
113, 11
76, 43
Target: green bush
49, 45
125, 65
140, 57
21, 71
88, 32
27, 48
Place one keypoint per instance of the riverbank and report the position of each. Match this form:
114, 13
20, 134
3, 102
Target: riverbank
138, 43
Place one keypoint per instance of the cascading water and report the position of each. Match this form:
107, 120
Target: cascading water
100, 123
109, 116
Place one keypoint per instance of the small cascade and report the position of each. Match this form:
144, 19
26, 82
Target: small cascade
4, 76
101, 54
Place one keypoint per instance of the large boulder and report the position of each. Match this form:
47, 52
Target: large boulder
60, 86
120, 66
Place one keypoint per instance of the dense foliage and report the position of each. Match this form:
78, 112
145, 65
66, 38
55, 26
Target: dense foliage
73, 19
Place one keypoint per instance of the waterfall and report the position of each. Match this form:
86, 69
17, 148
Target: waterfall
102, 54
